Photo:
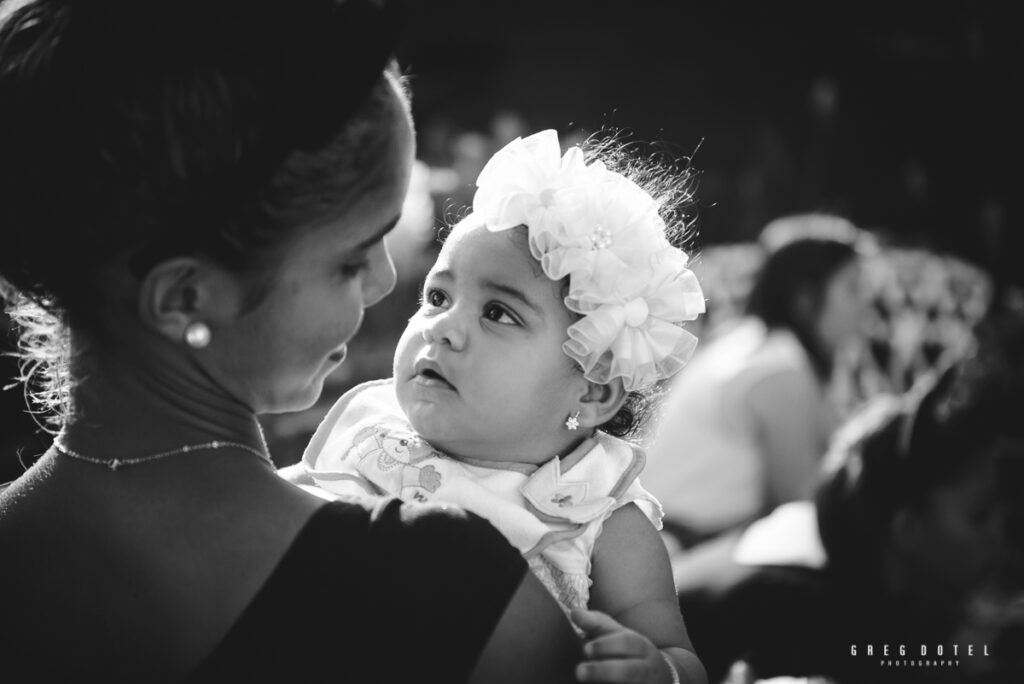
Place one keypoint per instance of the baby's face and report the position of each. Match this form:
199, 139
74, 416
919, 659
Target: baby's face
480, 370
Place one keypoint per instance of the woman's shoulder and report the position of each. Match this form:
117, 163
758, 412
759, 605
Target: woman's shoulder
371, 541
782, 351
359, 567
375, 520
740, 357
780, 365
381, 531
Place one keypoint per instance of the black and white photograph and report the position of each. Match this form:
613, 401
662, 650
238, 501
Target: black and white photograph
487, 342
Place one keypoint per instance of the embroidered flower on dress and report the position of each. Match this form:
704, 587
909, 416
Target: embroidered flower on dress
603, 231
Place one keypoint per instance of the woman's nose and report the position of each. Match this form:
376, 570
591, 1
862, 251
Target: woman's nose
446, 328
381, 278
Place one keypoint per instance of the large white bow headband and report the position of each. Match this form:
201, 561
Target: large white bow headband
602, 231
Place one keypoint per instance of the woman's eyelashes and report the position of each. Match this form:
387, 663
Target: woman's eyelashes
355, 268
364, 259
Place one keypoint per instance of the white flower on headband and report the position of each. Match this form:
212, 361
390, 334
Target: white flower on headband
603, 231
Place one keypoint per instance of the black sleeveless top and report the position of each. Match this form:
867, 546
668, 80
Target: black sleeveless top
388, 592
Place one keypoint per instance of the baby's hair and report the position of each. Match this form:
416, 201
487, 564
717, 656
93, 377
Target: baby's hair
671, 181
672, 184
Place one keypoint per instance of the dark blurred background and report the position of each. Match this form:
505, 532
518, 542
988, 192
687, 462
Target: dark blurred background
895, 114
898, 115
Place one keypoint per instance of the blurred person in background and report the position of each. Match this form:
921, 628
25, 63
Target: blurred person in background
745, 425
909, 523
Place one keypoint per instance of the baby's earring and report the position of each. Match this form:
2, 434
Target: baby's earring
197, 334
573, 421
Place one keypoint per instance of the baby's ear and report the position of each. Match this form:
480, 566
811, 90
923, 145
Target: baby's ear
600, 403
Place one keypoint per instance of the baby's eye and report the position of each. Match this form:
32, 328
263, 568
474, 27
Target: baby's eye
434, 298
498, 314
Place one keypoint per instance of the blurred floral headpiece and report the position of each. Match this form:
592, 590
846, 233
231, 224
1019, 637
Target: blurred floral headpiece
603, 231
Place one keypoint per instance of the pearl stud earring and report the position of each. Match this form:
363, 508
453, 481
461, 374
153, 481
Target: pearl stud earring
197, 334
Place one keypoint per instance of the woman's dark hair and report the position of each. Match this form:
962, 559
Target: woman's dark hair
791, 273
898, 451
877, 467
135, 131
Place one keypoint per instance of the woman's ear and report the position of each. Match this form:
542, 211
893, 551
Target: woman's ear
180, 291
600, 403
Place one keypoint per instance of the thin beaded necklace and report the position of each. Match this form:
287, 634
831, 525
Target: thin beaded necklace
115, 463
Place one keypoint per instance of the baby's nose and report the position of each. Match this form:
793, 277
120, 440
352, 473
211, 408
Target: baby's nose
447, 329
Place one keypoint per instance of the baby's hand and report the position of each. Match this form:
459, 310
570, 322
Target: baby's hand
613, 653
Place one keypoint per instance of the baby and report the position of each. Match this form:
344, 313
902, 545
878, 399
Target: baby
550, 310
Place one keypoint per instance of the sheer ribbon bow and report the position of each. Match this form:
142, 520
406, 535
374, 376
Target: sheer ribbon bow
602, 231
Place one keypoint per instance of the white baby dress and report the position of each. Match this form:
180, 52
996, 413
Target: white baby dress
365, 446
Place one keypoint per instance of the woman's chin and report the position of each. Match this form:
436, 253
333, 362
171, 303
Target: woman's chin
297, 400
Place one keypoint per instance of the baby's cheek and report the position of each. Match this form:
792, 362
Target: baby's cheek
402, 394
404, 354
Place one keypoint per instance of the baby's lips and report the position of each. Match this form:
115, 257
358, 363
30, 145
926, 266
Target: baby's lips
430, 368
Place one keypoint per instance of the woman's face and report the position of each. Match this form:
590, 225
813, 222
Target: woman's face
277, 355
842, 306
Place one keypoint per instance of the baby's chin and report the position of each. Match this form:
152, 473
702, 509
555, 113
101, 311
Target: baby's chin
439, 440
426, 426
448, 433
450, 444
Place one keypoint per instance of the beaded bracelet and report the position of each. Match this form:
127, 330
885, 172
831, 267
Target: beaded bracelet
671, 666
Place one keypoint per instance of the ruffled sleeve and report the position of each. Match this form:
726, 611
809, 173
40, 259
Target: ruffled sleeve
604, 479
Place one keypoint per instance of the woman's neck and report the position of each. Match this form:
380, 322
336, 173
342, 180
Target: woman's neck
128, 404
